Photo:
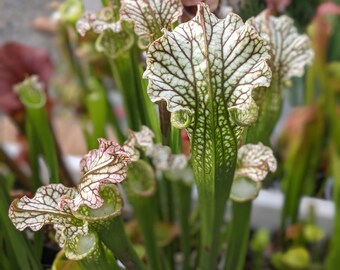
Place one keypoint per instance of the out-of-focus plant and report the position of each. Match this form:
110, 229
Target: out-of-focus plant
28, 106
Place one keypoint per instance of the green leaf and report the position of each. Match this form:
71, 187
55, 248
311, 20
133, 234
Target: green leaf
209, 67
150, 17
17, 252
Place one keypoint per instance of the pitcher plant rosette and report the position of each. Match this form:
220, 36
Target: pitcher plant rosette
222, 82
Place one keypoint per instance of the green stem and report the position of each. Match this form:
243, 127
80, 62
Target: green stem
309, 93
115, 125
149, 109
16, 245
270, 103
170, 249
125, 78
33, 151
333, 257
114, 237
296, 167
41, 127
239, 236
96, 105
67, 51
145, 214
183, 204
164, 116
23, 180
212, 203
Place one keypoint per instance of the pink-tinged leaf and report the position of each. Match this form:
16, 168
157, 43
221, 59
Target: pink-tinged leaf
213, 4
42, 209
108, 164
328, 8
256, 161
277, 6
190, 7
151, 16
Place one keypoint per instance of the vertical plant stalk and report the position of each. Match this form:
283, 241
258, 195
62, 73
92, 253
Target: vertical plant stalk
23, 180
255, 161
164, 116
270, 102
301, 165
140, 188
239, 236
67, 46
145, 214
124, 76
147, 109
333, 257
120, 245
285, 63
96, 105
149, 18
19, 247
38, 126
183, 203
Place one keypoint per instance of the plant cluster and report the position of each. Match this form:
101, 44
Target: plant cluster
213, 85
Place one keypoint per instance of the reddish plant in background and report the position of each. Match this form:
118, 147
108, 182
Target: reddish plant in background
276, 7
18, 61
190, 7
